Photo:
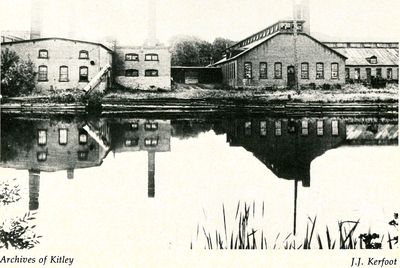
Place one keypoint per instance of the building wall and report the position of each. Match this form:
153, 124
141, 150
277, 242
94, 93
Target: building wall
63, 53
363, 72
280, 49
142, 82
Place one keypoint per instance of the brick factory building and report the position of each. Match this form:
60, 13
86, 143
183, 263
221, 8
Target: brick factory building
369, 59
65, 63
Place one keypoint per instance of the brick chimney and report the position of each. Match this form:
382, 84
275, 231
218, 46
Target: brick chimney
36, 19
302, 12
151, 170
34, 183
151, 23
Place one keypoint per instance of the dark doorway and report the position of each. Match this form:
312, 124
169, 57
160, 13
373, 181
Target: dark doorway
290, 77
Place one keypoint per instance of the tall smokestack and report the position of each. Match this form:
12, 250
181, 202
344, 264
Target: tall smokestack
302, 12
34, 183
151, 170
151, 23
36, 19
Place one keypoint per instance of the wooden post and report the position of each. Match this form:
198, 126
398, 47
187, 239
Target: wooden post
296, 84
34, 183
151, 170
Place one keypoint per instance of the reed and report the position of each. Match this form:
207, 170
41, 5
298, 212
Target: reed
244, 235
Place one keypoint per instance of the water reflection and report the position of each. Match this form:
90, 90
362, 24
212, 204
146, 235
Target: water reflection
286, 146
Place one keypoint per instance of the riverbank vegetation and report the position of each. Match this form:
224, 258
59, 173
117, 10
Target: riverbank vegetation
246, 234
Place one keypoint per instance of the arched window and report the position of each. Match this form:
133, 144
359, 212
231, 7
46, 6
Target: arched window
335, 70
42, 73
63, 74
83, 74
83, 54
151, 72
319, 71
151, 57
131, 73
278, 70
304, 70
131, 57
43, 54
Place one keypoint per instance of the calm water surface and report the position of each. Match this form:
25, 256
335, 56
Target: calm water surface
146, 183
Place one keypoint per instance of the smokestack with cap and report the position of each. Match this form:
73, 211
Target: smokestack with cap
36, 19
302, 12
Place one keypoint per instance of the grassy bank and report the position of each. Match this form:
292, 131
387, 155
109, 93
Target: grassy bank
348, 94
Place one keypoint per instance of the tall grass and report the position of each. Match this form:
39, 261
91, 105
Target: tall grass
244, 235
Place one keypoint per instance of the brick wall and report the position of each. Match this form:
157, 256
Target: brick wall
63, 53
162, 65
280, 49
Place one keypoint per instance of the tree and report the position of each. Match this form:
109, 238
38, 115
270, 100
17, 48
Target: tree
192, 51
17, 76
219, 45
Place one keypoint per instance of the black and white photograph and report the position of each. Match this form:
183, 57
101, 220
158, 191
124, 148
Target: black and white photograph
188, 133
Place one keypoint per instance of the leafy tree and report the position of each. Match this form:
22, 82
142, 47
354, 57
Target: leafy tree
17, 76
192, 51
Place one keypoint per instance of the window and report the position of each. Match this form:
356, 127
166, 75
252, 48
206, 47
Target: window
151, 126
134, 126
347, 73
151, 72
131, 142
63, 74
62, 136
247, 128
248, 70
83, 54
83, 74
357, 73
43, 54
335, 128
378, 72
82, 155
83, 138
320, 71
131, 57
150, 142
41, 156
263, 70
320, 127
389, 73
304, 70
278, 70
42, 137
373, 60
334, 70
368, 71
131, 73
278, 128
304, 127
42, 73
263, 128
151, 57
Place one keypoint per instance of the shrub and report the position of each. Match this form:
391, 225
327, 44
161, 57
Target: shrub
17, 76
312, 86
326, 86
337, 86
378, 82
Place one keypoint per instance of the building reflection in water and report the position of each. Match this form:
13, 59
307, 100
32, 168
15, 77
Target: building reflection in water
49, 145
132, 135
286, 146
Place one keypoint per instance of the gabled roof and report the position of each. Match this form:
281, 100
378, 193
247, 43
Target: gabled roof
253, 45
360, 56
56, 38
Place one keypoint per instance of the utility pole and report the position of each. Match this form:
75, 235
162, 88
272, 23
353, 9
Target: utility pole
296, 84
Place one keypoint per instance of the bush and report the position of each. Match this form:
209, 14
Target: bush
378, 82
17, 76
326, 86
337, 86
313, 86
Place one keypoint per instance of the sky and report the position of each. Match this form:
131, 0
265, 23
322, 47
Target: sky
126, 20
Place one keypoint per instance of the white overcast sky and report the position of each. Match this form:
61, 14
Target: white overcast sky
126, 20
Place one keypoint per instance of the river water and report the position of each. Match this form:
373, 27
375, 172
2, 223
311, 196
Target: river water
144, 183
